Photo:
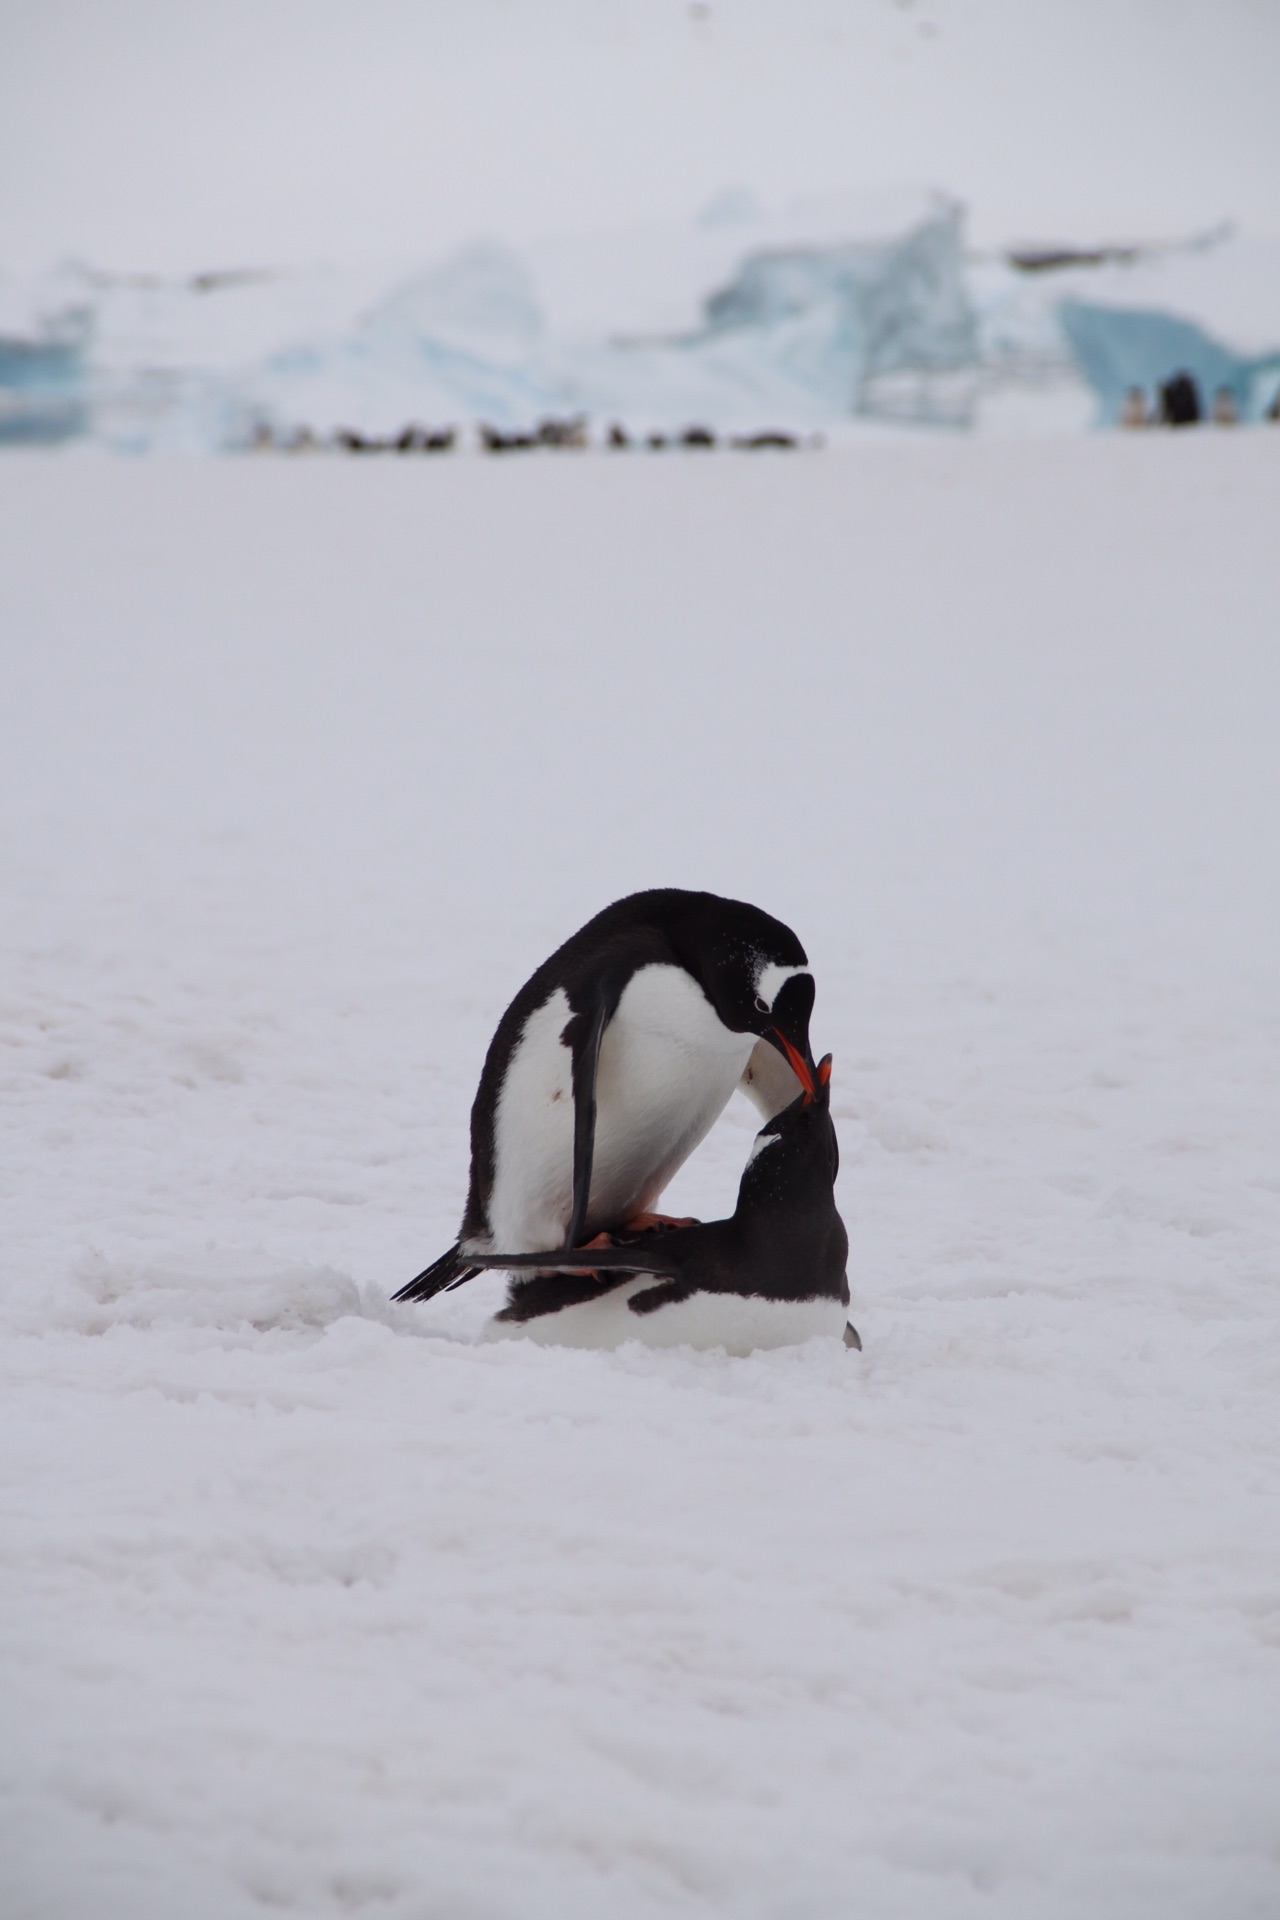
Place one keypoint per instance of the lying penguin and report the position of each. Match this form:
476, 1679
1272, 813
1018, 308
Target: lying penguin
613, 1062
771, 1276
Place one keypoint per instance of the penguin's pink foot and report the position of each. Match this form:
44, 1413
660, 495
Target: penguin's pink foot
646, 1222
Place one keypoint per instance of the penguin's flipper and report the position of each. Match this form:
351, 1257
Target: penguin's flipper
670, 1294
578, 1260
450, 1270
548, 1293
583, 1034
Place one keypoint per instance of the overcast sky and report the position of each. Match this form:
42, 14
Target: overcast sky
189, 133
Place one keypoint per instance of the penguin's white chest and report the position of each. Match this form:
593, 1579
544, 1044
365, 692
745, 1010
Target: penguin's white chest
667, 1067
739, 1323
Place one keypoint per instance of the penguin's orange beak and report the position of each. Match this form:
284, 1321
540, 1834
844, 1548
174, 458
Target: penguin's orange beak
820, 1078
788, 1029
799, 1065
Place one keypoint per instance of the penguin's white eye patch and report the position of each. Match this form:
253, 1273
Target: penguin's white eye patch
769, 982
758, 1145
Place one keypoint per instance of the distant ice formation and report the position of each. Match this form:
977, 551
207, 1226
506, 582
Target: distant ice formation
44, 381
1206, 309
844, 320
1123, 350
822, 315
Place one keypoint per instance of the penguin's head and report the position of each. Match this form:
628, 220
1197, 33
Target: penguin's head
783, 1004
754, 972
795, 1158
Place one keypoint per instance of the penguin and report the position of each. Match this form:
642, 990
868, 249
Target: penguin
612, 1063
773, 1274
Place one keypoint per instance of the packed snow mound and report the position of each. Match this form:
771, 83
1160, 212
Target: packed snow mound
220, 1295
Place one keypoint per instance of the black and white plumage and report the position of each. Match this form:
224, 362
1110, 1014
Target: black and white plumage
613, 1062
772, 1274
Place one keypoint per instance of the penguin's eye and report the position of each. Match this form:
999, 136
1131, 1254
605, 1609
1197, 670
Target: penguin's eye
762, 1006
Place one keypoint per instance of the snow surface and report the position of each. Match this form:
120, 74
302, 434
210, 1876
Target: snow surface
315, 1605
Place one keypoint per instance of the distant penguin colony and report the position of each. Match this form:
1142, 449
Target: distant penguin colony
606, 1071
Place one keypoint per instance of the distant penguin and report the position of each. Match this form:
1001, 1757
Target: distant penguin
613, 1062
1133, 413
772, 1275
1180, 401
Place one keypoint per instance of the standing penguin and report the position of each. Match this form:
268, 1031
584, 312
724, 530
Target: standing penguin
773, 1274
613, 1062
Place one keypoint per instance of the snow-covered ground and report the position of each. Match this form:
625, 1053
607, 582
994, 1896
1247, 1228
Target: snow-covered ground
315, 1605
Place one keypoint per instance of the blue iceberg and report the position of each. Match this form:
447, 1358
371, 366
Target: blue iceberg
43, 390
1118, 348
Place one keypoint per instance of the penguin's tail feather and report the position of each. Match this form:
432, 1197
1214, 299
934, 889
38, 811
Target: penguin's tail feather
450, 1270
579, 1260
